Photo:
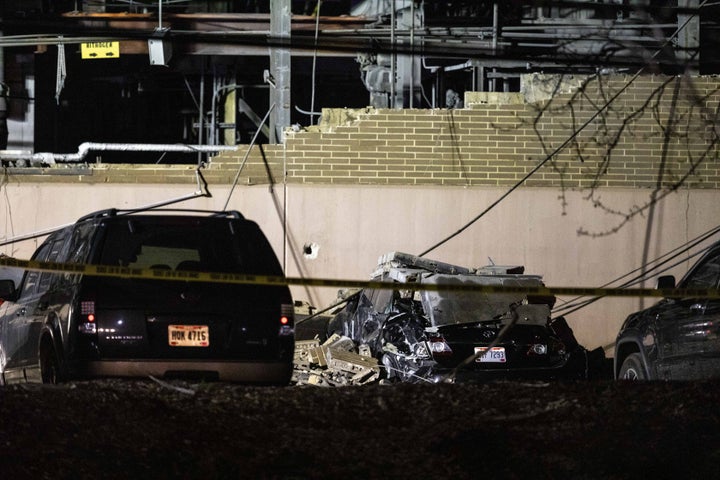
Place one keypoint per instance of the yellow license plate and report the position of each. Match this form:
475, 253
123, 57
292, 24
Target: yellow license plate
188, 335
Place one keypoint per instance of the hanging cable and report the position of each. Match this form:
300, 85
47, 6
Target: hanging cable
61, 71
247, 154
314, 63
281, 216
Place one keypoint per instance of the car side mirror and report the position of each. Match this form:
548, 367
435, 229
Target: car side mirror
7, 290
666, 281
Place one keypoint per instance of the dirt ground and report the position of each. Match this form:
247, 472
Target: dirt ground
143, 429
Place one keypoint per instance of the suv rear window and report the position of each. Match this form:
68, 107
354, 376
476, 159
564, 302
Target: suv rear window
182, 243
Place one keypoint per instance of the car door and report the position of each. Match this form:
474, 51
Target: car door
19, 318
688, 327
37, 313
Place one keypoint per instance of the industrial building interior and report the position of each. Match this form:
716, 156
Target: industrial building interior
208, 72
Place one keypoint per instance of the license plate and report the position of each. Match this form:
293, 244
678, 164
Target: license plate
188, 335
495, 355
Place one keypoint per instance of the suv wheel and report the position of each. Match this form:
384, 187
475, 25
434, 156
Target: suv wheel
632, 368
49, 365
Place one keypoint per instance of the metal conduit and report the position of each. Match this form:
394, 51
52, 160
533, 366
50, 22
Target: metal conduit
86, 147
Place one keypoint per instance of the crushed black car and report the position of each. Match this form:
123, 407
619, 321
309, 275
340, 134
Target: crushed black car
677, 338
445, 334
61, 325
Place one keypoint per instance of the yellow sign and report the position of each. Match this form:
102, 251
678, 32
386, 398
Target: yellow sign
100, 50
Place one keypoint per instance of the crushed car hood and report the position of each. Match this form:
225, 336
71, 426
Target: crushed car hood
460, 307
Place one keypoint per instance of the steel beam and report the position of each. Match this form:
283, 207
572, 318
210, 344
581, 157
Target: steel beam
280, 15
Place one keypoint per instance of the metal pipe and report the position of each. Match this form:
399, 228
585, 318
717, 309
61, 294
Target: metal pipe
86, 147
393, 57
495, 30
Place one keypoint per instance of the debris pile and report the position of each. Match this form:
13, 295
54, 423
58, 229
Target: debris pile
334, 363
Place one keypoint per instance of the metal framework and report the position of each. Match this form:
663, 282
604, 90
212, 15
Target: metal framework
398, 43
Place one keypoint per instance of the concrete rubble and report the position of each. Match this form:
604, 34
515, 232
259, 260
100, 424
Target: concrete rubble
334, 363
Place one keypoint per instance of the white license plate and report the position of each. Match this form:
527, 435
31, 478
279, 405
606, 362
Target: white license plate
188, 335
495, 355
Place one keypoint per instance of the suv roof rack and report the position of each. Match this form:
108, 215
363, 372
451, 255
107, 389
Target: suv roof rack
113, 212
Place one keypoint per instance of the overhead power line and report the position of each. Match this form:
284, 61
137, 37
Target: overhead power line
525, 44
559, 148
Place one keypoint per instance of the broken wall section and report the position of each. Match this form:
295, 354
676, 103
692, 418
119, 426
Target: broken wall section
497, 139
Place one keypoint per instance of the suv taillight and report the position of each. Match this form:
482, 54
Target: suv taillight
87, 317
287, 320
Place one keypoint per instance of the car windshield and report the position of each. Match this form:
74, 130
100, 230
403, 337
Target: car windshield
183, 243
455, 307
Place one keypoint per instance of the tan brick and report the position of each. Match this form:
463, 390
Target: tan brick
343, 180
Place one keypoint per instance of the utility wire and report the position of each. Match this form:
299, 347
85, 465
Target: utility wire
573, 305
566, 142
247, 154
536, 168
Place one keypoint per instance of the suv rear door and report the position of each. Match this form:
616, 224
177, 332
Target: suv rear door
135, 317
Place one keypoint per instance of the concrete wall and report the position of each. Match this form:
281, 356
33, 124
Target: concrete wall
352, 226
640, 180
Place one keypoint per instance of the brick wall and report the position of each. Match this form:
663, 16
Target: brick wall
659, 130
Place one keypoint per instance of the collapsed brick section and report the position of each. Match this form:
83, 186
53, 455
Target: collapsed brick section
647, 125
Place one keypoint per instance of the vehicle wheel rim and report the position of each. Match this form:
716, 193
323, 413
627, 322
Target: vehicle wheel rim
631, 374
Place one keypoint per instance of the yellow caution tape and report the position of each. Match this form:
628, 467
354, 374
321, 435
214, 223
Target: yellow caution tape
188, 276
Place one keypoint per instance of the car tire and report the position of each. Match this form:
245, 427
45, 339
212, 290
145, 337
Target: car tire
632, 368
49, 364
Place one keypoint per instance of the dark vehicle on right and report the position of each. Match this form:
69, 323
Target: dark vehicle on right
677, 338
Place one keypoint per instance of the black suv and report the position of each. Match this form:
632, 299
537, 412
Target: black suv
676, 339
59, 326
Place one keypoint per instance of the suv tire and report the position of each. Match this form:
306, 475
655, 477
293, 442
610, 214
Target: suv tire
49, 364
632, 368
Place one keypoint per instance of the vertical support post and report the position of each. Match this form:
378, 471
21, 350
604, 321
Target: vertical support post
412, 52
280, 29
3, 102
495, 33
393, 57
688, 39
407, 72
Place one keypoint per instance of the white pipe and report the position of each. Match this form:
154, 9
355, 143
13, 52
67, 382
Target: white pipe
86, 147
